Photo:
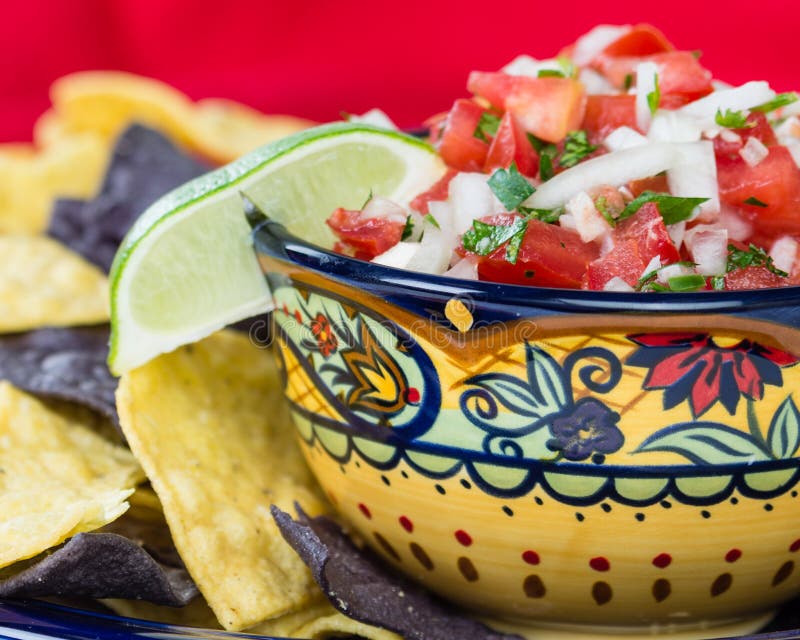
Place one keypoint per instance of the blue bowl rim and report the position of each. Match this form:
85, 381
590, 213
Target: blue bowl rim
273, 239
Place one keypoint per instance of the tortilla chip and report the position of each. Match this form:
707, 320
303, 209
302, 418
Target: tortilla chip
59, 478
70, 167
63, 364
195, 614
210, 426
144, 166
362, 588
45, 284
108, 101
223, 130
100, 565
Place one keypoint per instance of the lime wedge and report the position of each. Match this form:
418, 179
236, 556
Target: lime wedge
187, 267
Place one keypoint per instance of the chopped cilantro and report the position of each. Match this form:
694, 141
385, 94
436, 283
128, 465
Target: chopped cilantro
688, 282
755, 256
487, 126
366, 202
576, 148
672, 208
484, 238
545, 215
718, 283
628, 83
781, 100
733, 119
546, 170
510, 187
550, 73
431, 220
654, 97
755, 202
408, 230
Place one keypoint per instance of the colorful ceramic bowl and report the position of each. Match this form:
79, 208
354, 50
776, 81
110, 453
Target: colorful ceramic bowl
573, 460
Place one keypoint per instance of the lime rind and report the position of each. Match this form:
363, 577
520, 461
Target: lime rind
172, 284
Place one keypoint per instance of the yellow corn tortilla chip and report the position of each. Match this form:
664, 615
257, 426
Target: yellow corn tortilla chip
336, 625
59, 478
211, 429
71, 167
42, 283
222, 130
106, 102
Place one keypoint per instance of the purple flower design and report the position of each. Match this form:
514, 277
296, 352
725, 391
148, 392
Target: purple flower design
587, 427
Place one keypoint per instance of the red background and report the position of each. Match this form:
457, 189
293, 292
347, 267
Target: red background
316, 59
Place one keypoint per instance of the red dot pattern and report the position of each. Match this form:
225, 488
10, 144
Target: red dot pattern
733, 555
662, 560
600, 564
365, 510
531, 557
412, 395
406, 523
795, 546
463, 537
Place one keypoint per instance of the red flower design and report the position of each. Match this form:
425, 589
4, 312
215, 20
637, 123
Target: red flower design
691, 366
326, 338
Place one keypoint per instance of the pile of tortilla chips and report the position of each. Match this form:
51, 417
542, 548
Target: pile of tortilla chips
160, 494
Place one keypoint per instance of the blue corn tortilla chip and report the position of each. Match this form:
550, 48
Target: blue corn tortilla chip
144, 166
361, 587
62, 364
99, 565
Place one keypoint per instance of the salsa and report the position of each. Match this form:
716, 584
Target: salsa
618, 165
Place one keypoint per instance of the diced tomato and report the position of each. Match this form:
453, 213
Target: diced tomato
510, 144
549, 256
754, 278
681, 78
606, 113
549, 108
760, 129
657, 184
775, 181
435, 126
439, 191
641, 40
458, 146
364, 238
637, 240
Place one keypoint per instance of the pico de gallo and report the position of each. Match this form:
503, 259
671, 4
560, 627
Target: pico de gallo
619, 165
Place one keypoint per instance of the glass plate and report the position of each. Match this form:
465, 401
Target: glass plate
33, 620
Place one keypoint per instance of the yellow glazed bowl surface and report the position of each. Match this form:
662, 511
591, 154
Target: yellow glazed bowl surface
571, 460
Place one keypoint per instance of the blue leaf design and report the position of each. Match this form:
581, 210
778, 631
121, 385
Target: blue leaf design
784, 430
514, 394
546, 379
706, 443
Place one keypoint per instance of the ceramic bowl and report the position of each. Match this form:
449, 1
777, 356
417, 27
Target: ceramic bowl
577, 461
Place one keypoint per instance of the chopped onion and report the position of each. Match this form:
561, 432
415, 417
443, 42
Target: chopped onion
747, 96
398, 256
653, 265
673, 270
375, 117
589, 222
595, 83
671, 126
471, 198
568, 222
695, 176
646, 83
615, 169
623, 138
617, 284
788, 130
754, 151
708, 246
379, 207
466, 269
794, 148
784, 253
730, 136
676, 232
527, 66
739, 228
592, 43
